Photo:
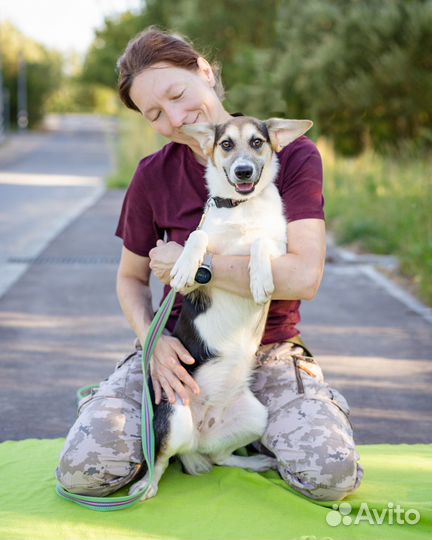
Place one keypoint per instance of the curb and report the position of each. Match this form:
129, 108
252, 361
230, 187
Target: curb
369, 264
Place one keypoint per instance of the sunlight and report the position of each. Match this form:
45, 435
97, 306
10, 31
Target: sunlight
27, 179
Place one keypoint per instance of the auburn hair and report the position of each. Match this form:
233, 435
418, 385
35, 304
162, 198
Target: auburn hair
151, 47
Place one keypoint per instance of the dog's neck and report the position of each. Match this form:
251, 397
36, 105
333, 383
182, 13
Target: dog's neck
220, 202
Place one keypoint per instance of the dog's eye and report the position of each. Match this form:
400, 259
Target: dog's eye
256, 143
227, 145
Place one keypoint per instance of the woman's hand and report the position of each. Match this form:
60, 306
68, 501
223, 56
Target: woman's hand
168, 374
162, 259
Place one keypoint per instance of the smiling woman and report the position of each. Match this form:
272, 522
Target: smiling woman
171, 97
162, 77
153, 47
173, 86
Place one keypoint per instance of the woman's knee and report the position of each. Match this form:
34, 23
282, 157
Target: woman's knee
313, 442
102, 452
92, 475
329, 476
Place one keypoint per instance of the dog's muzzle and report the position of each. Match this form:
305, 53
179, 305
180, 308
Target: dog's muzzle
244, 177
244, 174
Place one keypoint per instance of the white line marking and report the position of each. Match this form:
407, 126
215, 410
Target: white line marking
27, 179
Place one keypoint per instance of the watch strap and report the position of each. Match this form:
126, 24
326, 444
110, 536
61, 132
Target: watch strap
207, 260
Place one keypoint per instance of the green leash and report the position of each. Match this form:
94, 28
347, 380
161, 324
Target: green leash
106, 504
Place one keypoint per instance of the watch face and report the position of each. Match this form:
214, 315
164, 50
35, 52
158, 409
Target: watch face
203, 275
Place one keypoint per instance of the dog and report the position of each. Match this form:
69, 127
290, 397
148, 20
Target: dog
222, 330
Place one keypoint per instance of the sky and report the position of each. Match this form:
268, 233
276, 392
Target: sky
65, 25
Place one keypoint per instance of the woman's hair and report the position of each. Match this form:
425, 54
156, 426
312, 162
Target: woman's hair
152, 46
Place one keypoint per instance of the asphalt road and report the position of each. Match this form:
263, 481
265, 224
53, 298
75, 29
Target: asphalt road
47, 179
61, 326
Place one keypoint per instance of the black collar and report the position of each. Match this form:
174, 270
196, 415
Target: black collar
220, 202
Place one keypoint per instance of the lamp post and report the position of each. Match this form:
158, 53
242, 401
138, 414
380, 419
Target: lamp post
2, 109
22, 117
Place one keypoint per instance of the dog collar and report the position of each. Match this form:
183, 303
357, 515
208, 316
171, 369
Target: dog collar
220, 202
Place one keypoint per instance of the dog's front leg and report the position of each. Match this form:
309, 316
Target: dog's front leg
184, 271
260, 271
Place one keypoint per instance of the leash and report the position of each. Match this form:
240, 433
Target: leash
106, 504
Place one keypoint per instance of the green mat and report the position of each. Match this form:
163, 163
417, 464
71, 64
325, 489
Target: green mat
226, 503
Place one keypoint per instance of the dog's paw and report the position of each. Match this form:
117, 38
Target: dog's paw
260, 271
183, 274
138, 486
261, 463
262, 287
196, 464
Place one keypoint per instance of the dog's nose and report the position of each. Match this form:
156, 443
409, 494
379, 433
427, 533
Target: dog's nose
243, 172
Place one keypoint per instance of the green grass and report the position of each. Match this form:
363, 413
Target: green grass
380, 204
135, 140
383, 205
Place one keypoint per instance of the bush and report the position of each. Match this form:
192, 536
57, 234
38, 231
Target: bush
383, 206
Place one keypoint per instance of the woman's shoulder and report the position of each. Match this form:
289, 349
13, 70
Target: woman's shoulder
301, 155
159, 160
301, 148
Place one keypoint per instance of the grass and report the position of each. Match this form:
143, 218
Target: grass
135, 140
383, 205
379, 204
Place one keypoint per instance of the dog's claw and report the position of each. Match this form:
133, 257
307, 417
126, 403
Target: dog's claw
138, 486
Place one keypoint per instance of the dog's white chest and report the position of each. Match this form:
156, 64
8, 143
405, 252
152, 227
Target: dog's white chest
232, 231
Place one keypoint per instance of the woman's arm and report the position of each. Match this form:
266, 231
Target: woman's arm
296, 275
133, 292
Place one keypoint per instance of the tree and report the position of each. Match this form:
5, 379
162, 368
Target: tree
361, 70
44, 71
110, 41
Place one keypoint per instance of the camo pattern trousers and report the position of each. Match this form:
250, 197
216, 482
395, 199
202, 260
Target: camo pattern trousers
308, 431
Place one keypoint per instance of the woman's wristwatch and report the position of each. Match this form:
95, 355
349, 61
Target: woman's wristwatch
204, 272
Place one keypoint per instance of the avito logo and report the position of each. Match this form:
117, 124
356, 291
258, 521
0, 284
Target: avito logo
391, 514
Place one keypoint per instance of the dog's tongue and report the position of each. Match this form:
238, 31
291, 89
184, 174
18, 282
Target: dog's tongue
244, 187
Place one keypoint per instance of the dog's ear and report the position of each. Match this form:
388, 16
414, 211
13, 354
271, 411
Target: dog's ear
282, 132
203, 133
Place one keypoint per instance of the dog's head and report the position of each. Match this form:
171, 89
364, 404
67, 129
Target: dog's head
242, 152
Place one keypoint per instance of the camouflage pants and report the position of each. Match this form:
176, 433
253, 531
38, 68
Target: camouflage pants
308, 430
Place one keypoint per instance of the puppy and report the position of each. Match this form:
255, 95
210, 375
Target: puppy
221, 330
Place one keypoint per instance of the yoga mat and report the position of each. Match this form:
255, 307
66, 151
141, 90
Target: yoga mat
226, 503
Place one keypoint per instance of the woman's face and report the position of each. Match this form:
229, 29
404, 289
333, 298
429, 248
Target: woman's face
170, 97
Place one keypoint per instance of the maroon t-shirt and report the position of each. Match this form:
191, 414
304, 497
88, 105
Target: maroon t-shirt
168, 193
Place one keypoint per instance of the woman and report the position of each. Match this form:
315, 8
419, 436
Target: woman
170, 84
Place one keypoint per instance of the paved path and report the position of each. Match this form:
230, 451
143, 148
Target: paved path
61, 328
47, 179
